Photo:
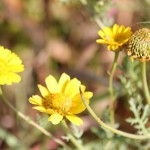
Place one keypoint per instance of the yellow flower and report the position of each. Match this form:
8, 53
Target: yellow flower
10, 64
139, 45
61, 99
114, 37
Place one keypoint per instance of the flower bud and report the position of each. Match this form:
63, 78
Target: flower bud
139, 45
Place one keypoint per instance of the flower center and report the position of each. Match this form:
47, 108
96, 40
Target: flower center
60, 103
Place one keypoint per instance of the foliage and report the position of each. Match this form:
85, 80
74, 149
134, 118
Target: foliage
57, 36
141, 113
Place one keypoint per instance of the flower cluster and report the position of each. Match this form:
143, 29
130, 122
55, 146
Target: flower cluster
10, 64
61, 99
114, 37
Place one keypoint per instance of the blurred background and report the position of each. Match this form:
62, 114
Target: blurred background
56, 36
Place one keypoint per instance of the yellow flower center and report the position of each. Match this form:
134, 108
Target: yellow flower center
60, 103
118, 39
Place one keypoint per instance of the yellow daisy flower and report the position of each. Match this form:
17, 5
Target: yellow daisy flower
114, 37
10, 64
61, 99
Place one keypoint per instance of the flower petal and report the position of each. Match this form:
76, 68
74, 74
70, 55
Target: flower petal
2, 79
52, 84
101, 41
108, 32
35, 99
44, 91
72, 88
49, 111
115, 29
55, 118
83, 87
12, 77
74, 119
64, 79
102, 34
39, 108
120, 29
77, 104
16, 68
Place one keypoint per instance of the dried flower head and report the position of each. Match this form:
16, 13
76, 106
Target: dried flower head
10, 65
114, 37
61, 99
139, 45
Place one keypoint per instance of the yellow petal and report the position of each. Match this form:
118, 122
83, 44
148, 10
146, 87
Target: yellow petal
77, 104
101, 41
128, 31
5, 53
39, 108
9, 78
115, 29
72, 88
13, 59
109, 47
44, 91
13, 77
108, 31
2, 79
83, 87
35, 99
1, 50
74, 119
88, 95
114, 47
49, 111
101, 34
51, 84
55, 118
64, 79
121, 29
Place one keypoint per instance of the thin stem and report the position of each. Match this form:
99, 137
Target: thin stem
31, 122
105, 126
99, 22
111, 91
71, 137
144, 81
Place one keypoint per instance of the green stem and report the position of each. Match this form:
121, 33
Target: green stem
105, 126
111, 91
71, 137
144, 81
29, 121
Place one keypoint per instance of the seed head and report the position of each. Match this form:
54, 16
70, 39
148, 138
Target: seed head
139, 45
